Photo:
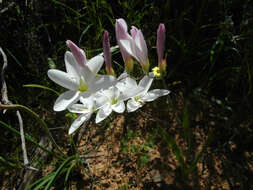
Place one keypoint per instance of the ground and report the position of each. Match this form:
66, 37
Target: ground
129, 152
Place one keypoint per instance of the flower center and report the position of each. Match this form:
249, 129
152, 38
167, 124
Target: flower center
136, 98
83, 87
114, 101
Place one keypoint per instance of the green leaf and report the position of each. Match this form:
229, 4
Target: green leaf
40, 86
40, 181
68, 171
58, 171
8, 163
173, 145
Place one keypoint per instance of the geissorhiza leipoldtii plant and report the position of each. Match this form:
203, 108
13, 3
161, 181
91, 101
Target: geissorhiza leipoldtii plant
89, 92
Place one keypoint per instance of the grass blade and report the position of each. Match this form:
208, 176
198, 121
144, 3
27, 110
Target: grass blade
40, 86
84, 32
58, 171
68, 171
66, 6
8, 163
173, 145
40, 181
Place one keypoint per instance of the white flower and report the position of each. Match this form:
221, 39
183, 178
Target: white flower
80, 80
116, 95
144, 96
87, 107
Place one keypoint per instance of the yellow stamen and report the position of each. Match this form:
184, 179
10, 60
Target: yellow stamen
114, 101
156, 71
83, 87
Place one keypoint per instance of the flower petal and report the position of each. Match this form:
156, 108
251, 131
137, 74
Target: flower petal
141, 43
126, 84
71, 65
133, 31
123, 76
66, 99
63, 79
79, 108
95, 63
128, 88
78, 53
119, 107
78, 122
122, 34
154, 94
122, 23
128, 46
130, 93
145, 83
103, 82
103, 113
133, 105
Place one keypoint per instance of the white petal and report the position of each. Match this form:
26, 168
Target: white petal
103, 82
103, 113
79, 108
126, 84
66, 99
128, 46
123, 76
133, 105
154, 94
63, 79
142, 52
71, 64
93, 102
128, 88
95, 64
146, 82
74, 69
78, 122
119, 107
131, 92
99, 100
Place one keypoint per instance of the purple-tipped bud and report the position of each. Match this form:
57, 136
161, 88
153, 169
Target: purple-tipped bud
107, 54
77, 53
122, 34
160, 42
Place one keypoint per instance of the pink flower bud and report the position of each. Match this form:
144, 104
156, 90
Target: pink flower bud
77, 53
107, 54
160, 42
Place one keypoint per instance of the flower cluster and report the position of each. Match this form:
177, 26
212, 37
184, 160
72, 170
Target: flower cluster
89, 92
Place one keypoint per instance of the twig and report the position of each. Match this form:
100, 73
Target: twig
26, 162
5, 99
41, 121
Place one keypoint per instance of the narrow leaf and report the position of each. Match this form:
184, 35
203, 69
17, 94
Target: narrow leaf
40, 86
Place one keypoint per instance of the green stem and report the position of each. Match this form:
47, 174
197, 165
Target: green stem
43, 124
